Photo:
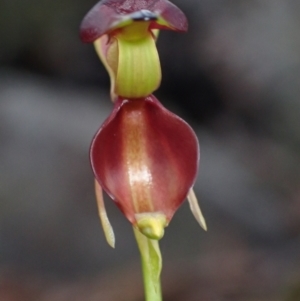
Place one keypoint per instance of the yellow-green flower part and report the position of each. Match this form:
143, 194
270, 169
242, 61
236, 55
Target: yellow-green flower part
131, 59
124, 33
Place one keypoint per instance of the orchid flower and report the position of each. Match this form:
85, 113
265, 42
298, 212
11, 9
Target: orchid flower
143, 156
146, 159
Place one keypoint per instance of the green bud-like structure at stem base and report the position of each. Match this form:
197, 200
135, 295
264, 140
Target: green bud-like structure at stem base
151, 224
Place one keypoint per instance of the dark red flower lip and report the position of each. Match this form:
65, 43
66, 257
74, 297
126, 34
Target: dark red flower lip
108, 15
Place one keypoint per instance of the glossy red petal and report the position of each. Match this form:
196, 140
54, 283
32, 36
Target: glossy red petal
145, 157
175, 18
97, 22
107, 14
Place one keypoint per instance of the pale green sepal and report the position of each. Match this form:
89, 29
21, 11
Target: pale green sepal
107, 228
131, 60
101, 46
139, 72
151, 264
195, 208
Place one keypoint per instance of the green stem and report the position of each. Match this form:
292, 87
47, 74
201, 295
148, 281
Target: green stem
151, 265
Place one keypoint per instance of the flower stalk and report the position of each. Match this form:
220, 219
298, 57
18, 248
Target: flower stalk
151, 265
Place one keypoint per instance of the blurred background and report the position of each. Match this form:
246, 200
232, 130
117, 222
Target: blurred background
235, 77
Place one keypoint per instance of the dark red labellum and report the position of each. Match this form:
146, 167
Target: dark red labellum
107, 14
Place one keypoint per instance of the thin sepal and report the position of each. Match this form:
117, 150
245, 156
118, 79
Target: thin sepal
107, 228
195, 208
101, 46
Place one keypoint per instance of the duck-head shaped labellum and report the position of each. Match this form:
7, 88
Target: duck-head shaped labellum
124, 34
146, 159
108, 15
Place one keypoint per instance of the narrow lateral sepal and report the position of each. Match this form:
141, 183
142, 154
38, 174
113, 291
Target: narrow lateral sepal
195, 208
107, 228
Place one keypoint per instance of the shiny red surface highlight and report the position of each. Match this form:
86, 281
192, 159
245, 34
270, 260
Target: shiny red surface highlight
145, 157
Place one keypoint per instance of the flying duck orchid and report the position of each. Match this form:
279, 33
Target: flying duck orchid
143, 156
